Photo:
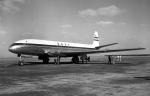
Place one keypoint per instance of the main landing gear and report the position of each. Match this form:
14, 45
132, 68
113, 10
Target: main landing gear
46, 60
75, 59
85, 58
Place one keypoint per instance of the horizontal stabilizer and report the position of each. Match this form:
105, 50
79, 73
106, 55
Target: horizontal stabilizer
98, 47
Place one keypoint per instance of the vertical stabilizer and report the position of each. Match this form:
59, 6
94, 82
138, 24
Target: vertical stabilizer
96, 40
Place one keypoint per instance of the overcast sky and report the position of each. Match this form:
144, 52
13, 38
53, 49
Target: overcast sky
124, 21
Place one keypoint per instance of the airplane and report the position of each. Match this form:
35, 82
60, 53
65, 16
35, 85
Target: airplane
45, 49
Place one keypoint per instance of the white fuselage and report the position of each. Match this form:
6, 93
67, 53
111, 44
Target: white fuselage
40, 47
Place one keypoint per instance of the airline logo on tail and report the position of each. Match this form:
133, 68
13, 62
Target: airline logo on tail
96, 39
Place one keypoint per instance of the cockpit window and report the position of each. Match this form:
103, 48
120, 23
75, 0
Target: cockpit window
13, 44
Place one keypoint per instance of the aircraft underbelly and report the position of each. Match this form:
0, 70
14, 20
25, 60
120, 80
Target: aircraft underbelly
52, 50
64, 51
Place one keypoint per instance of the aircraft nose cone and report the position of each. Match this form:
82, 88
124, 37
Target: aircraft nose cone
14, 48
11, 49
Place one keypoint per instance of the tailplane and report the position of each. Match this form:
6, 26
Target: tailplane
96, 43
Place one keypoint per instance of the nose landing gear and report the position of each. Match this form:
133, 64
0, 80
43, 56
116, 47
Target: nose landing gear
21, 61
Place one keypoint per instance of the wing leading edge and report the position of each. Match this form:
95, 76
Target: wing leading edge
101, 51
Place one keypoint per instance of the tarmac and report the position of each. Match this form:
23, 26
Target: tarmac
131, 77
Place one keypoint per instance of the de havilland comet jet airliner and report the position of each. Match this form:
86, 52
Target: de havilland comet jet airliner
45, 49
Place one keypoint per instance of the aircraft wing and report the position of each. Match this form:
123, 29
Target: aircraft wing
129, 55
100, 51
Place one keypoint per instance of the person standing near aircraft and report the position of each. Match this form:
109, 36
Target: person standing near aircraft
109, 59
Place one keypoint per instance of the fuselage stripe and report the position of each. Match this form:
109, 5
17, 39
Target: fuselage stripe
50, 45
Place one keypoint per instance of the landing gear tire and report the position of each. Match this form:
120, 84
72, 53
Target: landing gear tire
46, 60
75, 60
21, 61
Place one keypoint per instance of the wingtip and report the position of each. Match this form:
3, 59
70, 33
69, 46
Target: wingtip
142, 48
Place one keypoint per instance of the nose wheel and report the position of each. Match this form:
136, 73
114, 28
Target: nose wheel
21, 61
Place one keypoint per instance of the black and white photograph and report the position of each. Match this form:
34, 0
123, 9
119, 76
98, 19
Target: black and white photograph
74, 48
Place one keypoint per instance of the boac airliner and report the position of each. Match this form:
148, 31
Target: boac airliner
45, 49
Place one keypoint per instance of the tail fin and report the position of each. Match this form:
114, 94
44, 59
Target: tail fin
96, 40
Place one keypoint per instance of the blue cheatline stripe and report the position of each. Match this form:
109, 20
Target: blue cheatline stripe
49, 45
